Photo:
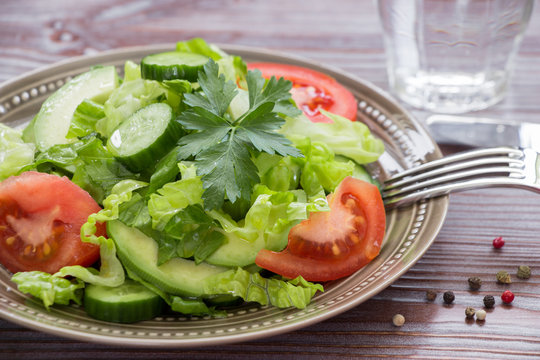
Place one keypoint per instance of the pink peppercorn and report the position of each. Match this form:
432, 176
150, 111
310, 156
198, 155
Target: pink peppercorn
507, 297
498, 242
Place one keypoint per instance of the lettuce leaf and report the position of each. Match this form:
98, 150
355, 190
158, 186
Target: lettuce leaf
14, 152
175, 196
50, 289
84, 120
130, 97
252, 287
111, 272
352, 139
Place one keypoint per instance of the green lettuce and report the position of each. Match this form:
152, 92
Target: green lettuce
50, 289
111, 272
88, 164
14, 152
130, 97
252, 287
352, 139
175, 196
85, 118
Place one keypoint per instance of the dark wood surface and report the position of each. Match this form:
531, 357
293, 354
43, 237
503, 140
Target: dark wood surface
346, 34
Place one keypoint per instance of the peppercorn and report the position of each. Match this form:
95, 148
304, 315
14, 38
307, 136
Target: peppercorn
431, 295
475, 282
398, 320
524, 272
469, 312
481, 315
498, 242
448, 297
503, 277
507, 297
489, 301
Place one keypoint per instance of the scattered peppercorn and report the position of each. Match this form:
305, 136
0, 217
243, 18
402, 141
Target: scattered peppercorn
469, 312
398, 320
498, 242
431, 295
507, 297
448, 297
481, 315
475, 282
489, 301
503, 277
524, 272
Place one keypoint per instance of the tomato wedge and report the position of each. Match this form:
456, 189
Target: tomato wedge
334, 244
40, 221
312, 91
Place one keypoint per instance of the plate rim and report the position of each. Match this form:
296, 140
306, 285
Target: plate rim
75, 62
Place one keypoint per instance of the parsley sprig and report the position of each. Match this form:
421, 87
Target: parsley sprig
222, 146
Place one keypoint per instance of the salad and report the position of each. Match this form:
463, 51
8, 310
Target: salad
192, 183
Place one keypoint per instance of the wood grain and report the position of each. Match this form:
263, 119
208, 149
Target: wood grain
345, 34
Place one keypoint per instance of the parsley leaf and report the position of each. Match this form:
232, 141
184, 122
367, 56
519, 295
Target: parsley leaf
223, 147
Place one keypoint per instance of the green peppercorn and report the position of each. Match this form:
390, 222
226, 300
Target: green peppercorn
431, 295
524, 272
503, 277
469, 312
489, 301
448, 297
475, 282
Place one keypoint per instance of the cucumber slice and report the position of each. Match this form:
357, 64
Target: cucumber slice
145, 137
127, 303
51, 124
139, 253
172, 65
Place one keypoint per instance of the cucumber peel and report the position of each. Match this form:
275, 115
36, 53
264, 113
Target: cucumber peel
139, 254
51, 124
145, 137
127, 303
172, 65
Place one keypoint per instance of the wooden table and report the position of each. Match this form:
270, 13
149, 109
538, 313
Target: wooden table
346, 34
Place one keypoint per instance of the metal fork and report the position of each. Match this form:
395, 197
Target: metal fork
480, 168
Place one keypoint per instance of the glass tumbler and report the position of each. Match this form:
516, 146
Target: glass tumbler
452, 56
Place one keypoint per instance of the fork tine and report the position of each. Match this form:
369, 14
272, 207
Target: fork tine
453, 176
445, 189
452, 167
454, 159
503, 166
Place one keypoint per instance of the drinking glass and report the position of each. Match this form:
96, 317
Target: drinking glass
452, 56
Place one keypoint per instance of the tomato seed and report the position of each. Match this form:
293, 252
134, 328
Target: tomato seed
10, 240
46, 249
335, 250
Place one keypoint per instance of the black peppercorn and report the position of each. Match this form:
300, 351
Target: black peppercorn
431, 295
489, 301
448, 297
475, 283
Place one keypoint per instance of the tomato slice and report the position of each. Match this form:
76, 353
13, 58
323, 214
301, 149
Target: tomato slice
40, 221
334, 244
312, 91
